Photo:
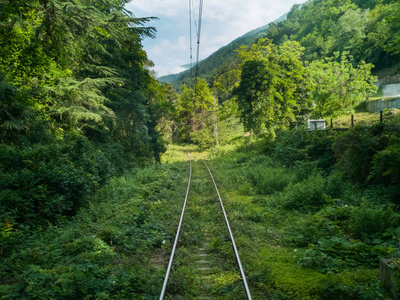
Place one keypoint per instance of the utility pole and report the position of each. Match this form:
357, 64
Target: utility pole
215, 123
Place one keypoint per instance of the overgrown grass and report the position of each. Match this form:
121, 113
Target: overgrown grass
305, 229
116, 248
312, 215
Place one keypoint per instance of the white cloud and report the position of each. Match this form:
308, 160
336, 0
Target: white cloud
170, 8
223, 21
169, 70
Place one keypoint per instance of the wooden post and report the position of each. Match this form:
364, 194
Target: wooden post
387, 274
331, 123
352, 120
381, 116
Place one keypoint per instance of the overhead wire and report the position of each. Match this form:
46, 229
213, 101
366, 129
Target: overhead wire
191, 45
198, 47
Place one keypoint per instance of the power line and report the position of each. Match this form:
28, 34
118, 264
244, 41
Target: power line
198, 47
198, 37
194, 19
191, 47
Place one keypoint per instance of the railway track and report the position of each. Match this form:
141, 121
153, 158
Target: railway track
205, 237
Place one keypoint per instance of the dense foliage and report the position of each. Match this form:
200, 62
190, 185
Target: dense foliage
77, 105
312, 214
313, 211
272, 89
368, 29
108, 250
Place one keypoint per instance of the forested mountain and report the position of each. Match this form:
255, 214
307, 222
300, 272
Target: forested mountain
321, 61
209, 66
368, 30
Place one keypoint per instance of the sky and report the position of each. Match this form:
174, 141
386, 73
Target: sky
222, 22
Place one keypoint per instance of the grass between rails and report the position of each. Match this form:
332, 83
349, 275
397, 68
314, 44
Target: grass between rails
205, 263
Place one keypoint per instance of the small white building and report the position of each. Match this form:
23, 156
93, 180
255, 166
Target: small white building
391, 90
316, 124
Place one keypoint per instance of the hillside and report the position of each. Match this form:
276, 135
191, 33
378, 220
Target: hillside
367, 30
209, 66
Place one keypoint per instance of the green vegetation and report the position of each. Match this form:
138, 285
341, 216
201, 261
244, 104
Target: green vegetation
311, 214
72, 114
368, 30
90, 202
78, 107
272, 89
116, 248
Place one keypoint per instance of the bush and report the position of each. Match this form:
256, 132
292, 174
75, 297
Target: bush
290, 146
269, 180
41, 182
293, 146
307, 195
367, 220
203, 138
306, 230
355, 149
386, 165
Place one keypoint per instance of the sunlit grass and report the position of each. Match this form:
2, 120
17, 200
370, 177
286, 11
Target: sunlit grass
366, 119
177, 153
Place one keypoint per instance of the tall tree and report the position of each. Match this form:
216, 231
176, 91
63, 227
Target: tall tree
77, 103
339, 86
272, 89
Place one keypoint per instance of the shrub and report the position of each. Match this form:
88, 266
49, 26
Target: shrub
367, 220
290, 146
306, 230
41, 182
386, 165
269, 180
307, 195
293, 146
203, 138
355, 149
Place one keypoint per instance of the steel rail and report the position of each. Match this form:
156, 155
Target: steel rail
246, 287
164, 288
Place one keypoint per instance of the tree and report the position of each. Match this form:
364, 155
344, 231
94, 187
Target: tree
167, 102
394, 18
185, 103
195, 102
338, 86
78, 104
272, 89
203, 98
350, 30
